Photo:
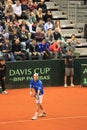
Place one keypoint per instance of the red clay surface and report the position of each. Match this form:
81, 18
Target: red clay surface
66, 109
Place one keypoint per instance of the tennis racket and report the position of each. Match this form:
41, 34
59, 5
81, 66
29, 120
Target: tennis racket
36, 96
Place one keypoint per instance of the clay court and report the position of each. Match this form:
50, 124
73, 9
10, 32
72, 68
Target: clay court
66, 109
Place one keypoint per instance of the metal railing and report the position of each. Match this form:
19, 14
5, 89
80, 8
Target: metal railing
75, 10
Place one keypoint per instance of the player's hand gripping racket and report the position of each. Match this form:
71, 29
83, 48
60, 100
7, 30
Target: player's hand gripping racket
36, 96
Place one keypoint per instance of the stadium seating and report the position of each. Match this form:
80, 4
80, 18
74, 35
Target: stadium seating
73, 17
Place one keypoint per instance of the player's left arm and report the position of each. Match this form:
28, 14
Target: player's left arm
31, 91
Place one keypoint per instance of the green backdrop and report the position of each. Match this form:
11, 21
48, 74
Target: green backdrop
51, 72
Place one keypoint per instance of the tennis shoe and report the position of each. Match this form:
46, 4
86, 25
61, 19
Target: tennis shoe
4, 92
34, 118
72, 85
65, 85
42, 114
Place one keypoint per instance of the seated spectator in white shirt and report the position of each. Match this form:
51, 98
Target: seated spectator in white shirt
48, 25
17, 9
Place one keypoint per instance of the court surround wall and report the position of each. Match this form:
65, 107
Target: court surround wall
51, 72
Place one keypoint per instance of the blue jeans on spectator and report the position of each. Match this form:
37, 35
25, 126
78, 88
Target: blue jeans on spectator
12, 58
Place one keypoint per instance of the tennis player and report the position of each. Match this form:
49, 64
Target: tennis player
37, 86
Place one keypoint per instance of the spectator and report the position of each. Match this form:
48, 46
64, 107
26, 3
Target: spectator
44, 49
48, 15
39, 35
17, 9
17, 51
57, 35
72, 43
15, 35
9, 28
69, 68
48, 25
49, 36
40, 14
41, 24
34, 50
7, 24
17, 25
7, 51
32, 5
24, 37
31, 17
24, 23
32, 29
9, 12
42, 5
55, 48
25, 10
57, 24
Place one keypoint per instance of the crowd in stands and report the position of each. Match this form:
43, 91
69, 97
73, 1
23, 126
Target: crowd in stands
27, 31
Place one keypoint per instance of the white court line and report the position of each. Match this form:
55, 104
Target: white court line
43, 119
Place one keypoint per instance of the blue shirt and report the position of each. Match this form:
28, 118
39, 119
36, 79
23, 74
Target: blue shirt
38, 85
43, 47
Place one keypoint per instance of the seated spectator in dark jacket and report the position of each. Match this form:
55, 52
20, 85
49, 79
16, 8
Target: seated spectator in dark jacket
44, 49
24, 37
25, 9
7, 50
24, 23
42, 5
17, 51
57, 35
48, 15
14, 36
32, 29
39, 35
34, 50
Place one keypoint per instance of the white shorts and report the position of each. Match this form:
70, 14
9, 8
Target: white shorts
40, 99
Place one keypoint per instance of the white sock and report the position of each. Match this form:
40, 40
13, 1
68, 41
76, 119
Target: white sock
36, 114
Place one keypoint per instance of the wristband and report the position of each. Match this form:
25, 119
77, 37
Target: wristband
30, 93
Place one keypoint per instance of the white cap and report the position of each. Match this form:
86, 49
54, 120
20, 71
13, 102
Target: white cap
35, 74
